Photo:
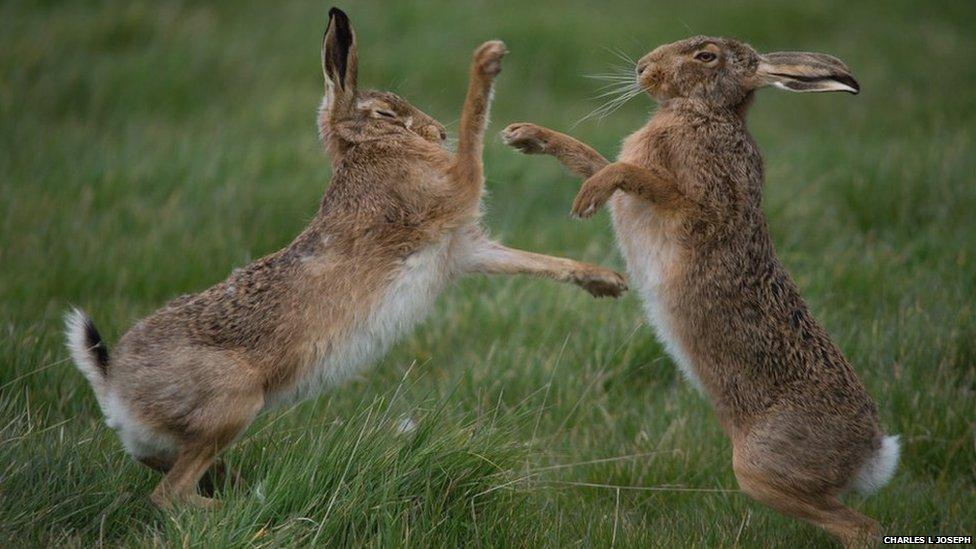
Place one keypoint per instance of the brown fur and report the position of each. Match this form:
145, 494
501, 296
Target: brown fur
191, 377
689, 221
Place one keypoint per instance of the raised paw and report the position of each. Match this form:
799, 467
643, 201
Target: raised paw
527, 138
601, 282
591, 197
488, 58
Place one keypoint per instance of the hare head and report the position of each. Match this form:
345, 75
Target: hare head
723, 72
348, 115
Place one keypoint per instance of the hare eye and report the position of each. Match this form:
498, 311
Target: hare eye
705, 56
385, 114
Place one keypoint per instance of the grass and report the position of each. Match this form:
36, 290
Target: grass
149, 148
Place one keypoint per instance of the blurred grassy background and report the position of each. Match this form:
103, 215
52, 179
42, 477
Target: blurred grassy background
148, 148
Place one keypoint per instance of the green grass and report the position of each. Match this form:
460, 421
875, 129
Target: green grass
149, 148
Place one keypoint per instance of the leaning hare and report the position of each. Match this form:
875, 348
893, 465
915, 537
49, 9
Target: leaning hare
399, 221
685, 198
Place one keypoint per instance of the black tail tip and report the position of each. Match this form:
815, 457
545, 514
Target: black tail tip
93, 340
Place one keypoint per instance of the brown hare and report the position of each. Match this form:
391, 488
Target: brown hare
398, 222
685, 199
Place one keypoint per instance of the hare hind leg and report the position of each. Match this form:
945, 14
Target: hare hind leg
195, 469
219, 474
160, 464
217, 427
851, 528
212, 479
180, 482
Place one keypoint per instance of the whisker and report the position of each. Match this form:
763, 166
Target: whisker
615, 92
620, 86
623, 69
620, 55
617, 74
615, 104
617, 70
611, 96
616, 84
609, 76
624, 55
612, 80
622, 95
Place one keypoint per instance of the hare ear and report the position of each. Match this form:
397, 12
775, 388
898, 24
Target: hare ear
805, 72
339, 61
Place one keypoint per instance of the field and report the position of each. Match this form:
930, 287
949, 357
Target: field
148, 148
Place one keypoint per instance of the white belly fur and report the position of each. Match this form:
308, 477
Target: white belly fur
648, 254
406, 302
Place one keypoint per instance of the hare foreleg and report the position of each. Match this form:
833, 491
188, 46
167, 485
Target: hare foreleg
469, 167
602, 177
651, 184
488, 257
578, 157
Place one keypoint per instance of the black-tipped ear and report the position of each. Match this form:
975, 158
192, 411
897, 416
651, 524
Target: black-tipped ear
806, 72
339, 62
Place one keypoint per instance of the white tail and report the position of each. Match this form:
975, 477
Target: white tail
87, 350
879, 468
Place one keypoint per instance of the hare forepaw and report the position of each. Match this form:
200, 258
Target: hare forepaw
602, 282
527, 138
594, 194
488, 58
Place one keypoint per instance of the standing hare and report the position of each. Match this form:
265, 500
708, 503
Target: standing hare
399, 221
685, 198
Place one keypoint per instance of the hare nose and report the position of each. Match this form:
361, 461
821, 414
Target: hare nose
443, 135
